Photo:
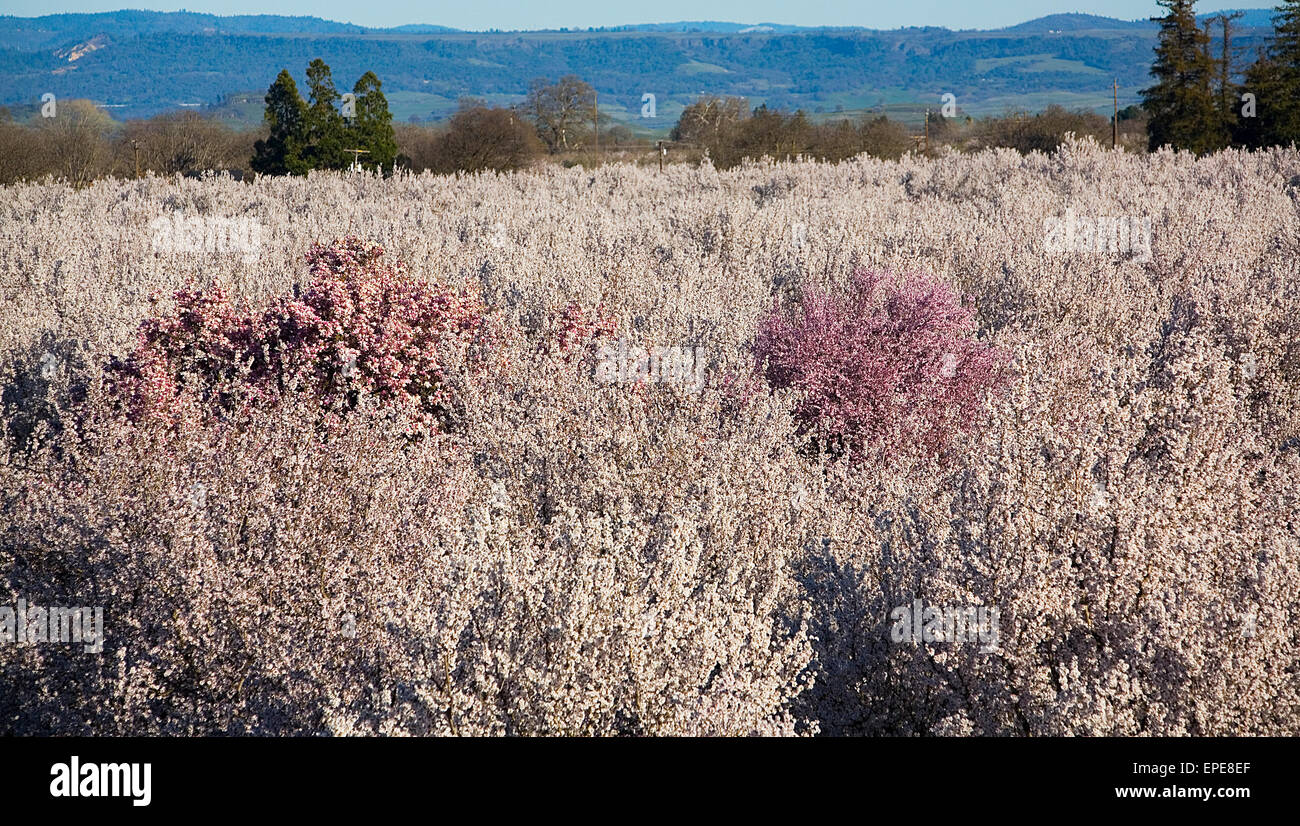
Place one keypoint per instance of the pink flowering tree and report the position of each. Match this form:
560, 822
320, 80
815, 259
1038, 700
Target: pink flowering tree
363, 326
578, 326
887, 366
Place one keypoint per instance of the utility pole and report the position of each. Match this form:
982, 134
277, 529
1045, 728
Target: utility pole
927, 131
356, 158
662, 152
135, 147
1114, 121
595, 111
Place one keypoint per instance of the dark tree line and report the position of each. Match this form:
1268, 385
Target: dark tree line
319, 132
1196, 105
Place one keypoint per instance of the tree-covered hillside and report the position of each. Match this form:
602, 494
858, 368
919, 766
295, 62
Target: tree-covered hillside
140, 63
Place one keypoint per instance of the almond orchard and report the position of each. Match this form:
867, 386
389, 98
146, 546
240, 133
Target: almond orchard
370, 471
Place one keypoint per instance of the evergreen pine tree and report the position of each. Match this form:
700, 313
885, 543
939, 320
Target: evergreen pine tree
1227, 92
325, 127
372, 129
1182, 106
283, 152
1274, 80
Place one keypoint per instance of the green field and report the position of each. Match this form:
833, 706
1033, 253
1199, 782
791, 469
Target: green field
695, 67
1036, 63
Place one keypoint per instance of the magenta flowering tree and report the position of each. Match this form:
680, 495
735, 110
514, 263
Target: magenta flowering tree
362, 326
887, 366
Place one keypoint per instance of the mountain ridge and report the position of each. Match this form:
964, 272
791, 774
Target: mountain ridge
140, 63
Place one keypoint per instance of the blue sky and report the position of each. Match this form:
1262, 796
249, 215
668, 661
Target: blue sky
536, 14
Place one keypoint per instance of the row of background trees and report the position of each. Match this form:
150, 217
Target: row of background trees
1196, 102
83, 143
560, 119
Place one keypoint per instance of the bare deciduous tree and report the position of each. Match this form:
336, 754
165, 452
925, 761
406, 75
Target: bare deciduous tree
75, 141
562, 111
709, 119
179, 142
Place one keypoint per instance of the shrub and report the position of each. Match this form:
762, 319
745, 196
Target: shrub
1042, 132
259, 581
578, 327
885, 366
362, 327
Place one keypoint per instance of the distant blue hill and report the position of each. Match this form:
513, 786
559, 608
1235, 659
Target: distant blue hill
1079, 23
142, 62
1257, 18
418, 28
